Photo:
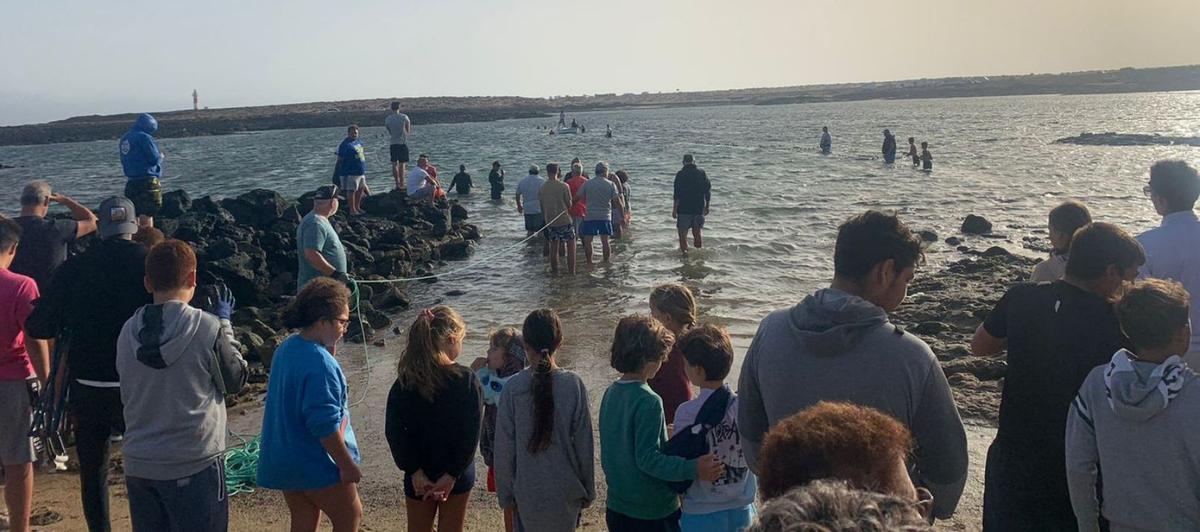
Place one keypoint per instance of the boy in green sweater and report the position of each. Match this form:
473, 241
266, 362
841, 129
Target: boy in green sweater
632, 432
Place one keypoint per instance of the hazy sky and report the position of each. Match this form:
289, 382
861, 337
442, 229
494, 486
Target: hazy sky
61, 58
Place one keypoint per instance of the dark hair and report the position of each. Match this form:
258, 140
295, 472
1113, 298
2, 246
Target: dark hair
1152, 312
495, 163
542, 332
924, 144
462, 168
551, 168
1176, 183
168, 265
912, 139
1096, 246
351, 126
639, 340
871, 238
623, 175
10, 233
1068, 217
855, 443
395, 106
420, 367
708, 347
321, 299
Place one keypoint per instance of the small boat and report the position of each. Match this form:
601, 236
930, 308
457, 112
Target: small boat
563, 130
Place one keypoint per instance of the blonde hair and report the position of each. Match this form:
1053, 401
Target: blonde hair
675, 300
421, 365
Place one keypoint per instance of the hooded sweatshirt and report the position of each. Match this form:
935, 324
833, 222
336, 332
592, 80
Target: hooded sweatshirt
835, 346
176, 363
1134, 423
139, 153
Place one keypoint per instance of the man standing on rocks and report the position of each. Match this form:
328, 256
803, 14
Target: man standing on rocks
529, 204
22, 360
350, 170
89, 298
1173, 248
399, 127
1055, 333
321, 251
177, 363
693, 192
838, 345
44, 242
142, 162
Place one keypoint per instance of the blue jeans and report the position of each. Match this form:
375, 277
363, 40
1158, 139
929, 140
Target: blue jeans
191, 504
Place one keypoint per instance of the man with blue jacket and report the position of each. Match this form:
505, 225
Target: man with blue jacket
142, 163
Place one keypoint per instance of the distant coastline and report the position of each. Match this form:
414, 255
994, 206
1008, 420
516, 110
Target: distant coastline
205, 122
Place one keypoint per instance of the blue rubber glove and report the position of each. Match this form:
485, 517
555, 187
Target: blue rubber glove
223, 306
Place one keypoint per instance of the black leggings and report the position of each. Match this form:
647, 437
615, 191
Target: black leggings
98, 413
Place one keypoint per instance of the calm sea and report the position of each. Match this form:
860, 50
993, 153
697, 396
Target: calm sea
776, 201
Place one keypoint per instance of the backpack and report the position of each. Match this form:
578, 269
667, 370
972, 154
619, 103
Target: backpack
692, 441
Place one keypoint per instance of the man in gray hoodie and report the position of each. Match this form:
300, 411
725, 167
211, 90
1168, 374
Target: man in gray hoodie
177, 363
1134, 422
838, 345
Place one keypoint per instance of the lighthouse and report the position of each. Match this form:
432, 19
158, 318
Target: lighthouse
195, 100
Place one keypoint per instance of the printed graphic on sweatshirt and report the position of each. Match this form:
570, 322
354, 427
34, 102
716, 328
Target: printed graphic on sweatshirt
726, 444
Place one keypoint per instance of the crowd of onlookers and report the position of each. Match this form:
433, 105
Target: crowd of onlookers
840, 419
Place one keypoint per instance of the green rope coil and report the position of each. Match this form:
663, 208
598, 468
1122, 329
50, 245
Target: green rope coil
241, 468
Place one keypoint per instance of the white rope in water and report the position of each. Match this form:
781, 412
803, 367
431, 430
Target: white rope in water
361, 322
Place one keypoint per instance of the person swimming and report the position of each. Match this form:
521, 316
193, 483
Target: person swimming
889, 147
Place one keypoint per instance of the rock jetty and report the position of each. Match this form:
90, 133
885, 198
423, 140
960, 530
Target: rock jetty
1128, 139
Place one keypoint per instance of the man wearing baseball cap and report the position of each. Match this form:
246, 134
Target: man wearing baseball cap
92, 295
320, 249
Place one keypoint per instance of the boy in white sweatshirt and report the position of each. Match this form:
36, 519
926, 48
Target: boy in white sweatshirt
1133, 423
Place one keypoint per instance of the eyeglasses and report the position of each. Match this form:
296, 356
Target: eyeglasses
1147, 190
342, 322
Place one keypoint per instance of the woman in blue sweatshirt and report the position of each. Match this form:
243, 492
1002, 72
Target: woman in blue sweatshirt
308, 447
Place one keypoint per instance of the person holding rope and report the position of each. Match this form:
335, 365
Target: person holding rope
321, 251
309, 450
177, 363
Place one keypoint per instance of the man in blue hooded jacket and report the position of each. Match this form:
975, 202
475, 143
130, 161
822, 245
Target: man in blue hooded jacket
142, 163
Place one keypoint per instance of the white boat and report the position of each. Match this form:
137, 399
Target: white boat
563, 130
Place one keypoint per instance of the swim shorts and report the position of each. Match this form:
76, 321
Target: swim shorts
596, 227
399, 153
689, 221
16, 416
565, 233
146, 195
534, 222
350, 183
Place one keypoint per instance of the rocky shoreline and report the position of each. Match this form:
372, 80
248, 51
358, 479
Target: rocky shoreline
1128, 139
248, 242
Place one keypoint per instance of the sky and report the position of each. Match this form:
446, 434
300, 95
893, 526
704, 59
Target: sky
62, 58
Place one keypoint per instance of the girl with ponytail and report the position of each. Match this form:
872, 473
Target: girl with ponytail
434, 411
674, 306
544, 450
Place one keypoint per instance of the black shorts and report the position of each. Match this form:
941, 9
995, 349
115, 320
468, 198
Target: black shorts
146, 195
399, 153
463, 484
534, 222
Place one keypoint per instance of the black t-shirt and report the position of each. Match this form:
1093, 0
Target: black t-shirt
1057, 333
692, 189
90, 297
439, 436
461, 183
43, 247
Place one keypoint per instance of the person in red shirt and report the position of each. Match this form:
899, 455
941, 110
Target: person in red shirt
578, 207
21, 361
674, 306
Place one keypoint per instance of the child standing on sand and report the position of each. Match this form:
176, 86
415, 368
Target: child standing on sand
726, 503
505, 358
674, 306
633, 431
433, 420
545, 461
1065, 219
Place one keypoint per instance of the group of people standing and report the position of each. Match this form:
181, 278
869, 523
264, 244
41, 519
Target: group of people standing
922, 159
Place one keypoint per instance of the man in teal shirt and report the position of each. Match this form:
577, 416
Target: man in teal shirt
320, 249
